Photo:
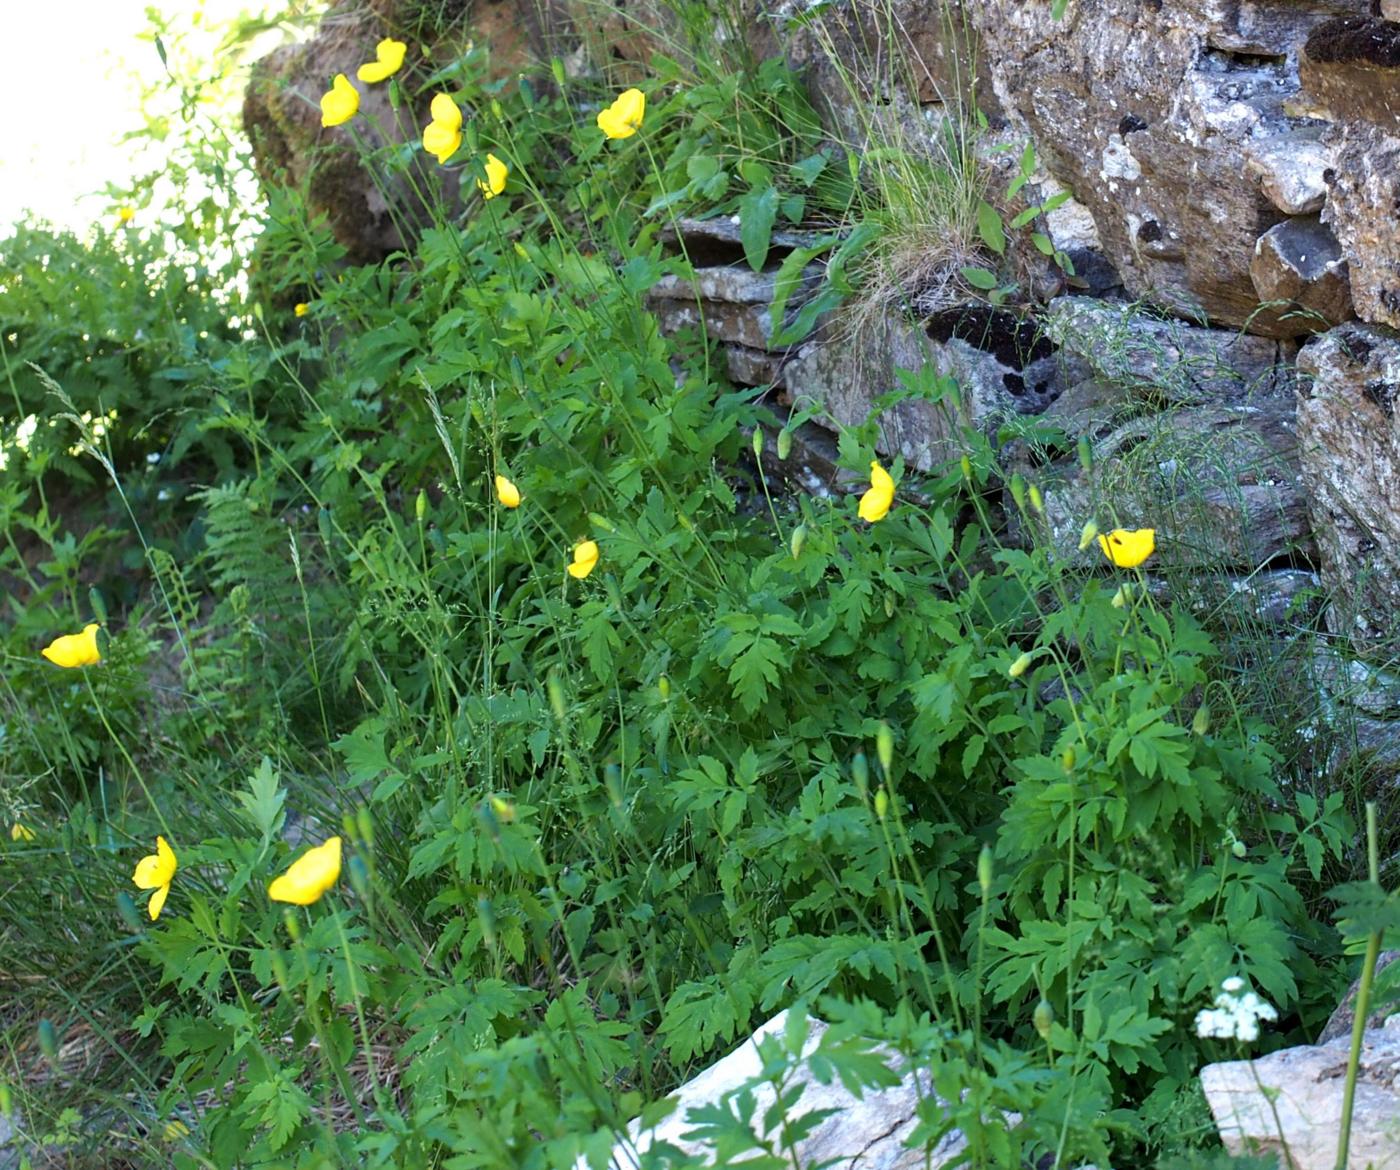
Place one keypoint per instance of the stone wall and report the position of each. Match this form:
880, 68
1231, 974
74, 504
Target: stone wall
1235, 173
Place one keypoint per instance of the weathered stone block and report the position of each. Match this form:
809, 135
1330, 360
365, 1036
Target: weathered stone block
1363, 210
1351, 67
1349, 442
1290, 1102
1301, 277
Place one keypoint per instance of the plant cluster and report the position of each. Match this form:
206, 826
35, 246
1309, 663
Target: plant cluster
610, 749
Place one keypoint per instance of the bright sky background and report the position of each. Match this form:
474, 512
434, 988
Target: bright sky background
68, 91
71, 88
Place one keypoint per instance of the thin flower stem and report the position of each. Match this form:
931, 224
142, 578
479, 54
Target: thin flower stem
1363, 996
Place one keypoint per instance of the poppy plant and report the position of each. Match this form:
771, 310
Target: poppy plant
340, 103
155, 872
443, 135
309, 876
73, 650
875, 503
1128, 549
388, 60
585, 558
495, 181
507, 493
623, 118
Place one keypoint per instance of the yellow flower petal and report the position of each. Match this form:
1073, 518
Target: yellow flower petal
156, 869
125, 214
389, 55
309, 876
20, 832
875, 503
340, 103
301, 308
445, 112
495, 181
585, 557
75, 649
507, 492
1129, 548
623, 118
441, 141
157, 902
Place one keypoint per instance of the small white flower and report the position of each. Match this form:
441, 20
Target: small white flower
152, 458
1233, 985
1234, 1016
24, 433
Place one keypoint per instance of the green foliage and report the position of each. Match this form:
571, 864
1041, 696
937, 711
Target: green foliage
596, 828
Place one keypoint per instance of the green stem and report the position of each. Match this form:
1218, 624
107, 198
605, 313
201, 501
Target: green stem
1363, 996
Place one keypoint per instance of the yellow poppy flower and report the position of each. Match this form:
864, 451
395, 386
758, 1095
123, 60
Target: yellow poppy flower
585, 557
507, 492
623, 118
495, 181
155, 871
125, 215
75, 649
20, 832
309, 876
1128, 549
301, 309
443, 135
876, 502
388, 59
340, 103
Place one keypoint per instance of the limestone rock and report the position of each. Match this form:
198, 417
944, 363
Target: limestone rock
282, 116
1339, 1024
1349, 443
1299, 274
861, 1133
1145, 111
1290, 1102
1351, 67
971, 366
1218, 482
1361, 210
1167, 359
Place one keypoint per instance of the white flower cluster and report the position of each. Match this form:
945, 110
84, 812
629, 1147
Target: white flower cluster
1234, 1016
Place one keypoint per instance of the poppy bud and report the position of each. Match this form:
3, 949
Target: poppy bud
289, 920
882, 804
1239, 849
797, 540
757, 442
1086, 453
663, 688
420, 506
1037, 501
126, 907
784, 443
1067, 759
966, 465
487, 913
884, 748
1200, 722
860, 772
984, 869
1086, 537
48, 1042
1018, 668
364, 822
556, 694
1043, 1018
1018, 491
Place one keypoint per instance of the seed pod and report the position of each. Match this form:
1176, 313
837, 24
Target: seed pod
882, 804
860, 772
48, 1042
1018, 491
884, 748
1086, 453
984, 869
757, 442
556, 694
364, 822
126, 907
1239, 849
663, 688
293, 925
420, 505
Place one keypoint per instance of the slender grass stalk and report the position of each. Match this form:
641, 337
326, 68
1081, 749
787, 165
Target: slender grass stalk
1363, 996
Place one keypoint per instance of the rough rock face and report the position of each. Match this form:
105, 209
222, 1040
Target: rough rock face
1172, 124
1292, 1101
865, 1133
1349, 442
